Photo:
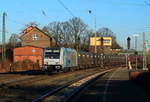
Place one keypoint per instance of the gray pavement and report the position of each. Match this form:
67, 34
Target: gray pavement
113, 87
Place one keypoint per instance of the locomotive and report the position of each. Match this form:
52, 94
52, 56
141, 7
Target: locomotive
67, 59
60, 59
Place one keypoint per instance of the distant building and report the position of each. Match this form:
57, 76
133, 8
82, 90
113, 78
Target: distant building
33, 36
107, 41
96, 41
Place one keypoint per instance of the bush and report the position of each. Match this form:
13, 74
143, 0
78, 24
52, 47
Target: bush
5, 65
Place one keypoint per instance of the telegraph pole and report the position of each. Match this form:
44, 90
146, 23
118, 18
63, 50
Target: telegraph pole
102, 48
95, 34
136, 52
4, 36
90, 12
144, 51
136, 42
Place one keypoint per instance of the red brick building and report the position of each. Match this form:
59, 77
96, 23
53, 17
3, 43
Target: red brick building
33, 36
28, 52
33, 41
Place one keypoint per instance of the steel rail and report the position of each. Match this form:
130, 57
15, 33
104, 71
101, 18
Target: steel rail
69, 84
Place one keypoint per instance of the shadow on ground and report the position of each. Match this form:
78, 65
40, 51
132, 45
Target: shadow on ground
115, 91
143, 80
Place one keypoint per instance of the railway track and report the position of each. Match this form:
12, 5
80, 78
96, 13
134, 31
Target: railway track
33, 86
65, 92
28, 80
12, 80
18, 79
10, 76
23, 81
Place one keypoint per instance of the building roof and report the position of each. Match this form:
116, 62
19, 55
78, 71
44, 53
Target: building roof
28, 46
30, 28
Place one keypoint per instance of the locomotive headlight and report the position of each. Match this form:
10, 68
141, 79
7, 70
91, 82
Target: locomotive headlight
57, 67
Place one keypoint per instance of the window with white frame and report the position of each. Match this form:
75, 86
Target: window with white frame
35, 37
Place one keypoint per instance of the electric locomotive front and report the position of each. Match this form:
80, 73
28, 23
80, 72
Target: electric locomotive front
52, 59
60, 59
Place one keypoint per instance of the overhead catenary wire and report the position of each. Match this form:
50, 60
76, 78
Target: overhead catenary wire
147, 3
44, 13
8, 34
67, 9
14, 21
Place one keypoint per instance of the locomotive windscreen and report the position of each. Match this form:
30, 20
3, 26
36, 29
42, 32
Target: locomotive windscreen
52, 53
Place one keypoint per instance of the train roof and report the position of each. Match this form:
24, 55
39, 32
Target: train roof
58, 48
53, 48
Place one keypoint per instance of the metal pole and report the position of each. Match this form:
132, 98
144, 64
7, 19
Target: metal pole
135, 43
143, 48
95, 50
95, 34
102, 53
144, 51
136, 52
135, 35
127, 60
3, 37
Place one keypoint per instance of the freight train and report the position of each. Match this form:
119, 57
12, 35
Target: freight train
28, 58
67, 59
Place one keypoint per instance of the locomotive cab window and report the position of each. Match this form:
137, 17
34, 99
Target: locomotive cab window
52, 54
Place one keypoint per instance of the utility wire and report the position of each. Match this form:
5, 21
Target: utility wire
13, 21
147, 3
45, 14
16, 22
67, 9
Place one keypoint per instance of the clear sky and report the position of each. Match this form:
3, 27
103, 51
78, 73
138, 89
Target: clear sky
124, 17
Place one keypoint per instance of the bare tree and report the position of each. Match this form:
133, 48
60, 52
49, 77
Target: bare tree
85, 40
77, 29
65, 30
106, 32
14, 40
34, 24
55, 28
67, 33
46, 30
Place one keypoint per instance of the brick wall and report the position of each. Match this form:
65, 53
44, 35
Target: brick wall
36, 38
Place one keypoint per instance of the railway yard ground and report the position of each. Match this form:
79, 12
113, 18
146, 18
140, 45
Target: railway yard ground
24, 88
111, 85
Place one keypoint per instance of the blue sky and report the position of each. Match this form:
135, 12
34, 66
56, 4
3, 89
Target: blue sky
124, 17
